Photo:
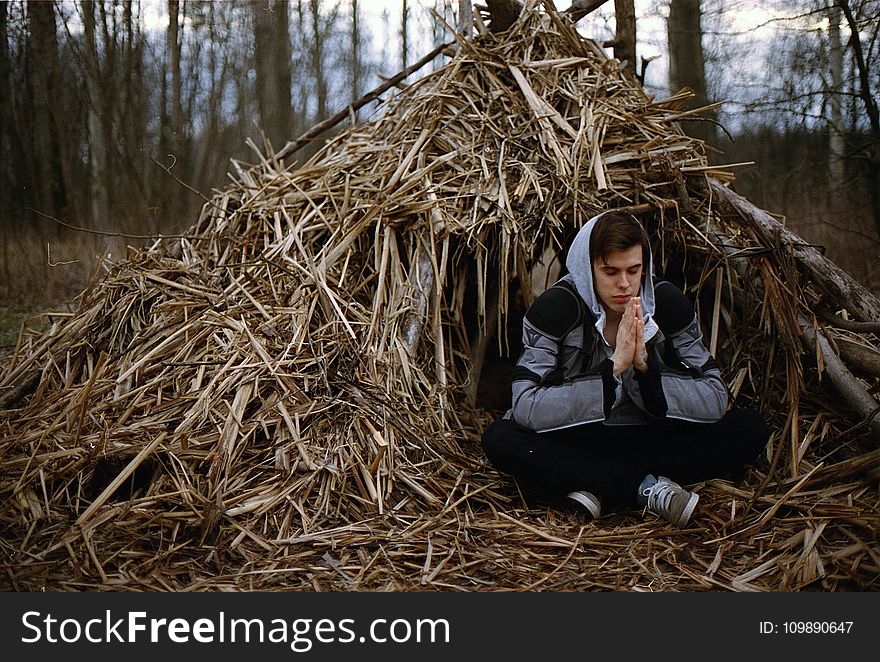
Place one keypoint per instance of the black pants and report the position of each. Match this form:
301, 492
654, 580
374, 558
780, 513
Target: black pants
610, 461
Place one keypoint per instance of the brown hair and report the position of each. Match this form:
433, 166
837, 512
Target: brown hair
618, 231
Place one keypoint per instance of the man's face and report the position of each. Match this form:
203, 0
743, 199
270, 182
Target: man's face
617, 278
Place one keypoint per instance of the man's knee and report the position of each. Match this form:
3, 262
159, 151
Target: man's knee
505, 437
495, 435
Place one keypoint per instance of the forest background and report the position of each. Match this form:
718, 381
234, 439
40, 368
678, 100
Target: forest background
118, 118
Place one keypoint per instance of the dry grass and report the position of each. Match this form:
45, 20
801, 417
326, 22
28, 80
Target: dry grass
280, 401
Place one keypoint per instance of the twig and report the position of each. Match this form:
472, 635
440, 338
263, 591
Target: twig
105, 233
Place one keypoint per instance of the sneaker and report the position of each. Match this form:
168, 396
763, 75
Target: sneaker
668, 499
587, 500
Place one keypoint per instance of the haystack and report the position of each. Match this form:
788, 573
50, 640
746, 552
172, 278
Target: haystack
287, 397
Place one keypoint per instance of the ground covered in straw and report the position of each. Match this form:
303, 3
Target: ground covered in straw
285, 398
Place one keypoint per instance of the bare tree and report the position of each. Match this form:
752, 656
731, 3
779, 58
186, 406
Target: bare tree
302, 80
98, 135
465, 18
211, 147
272, 55
865, 91
836, 130
805, 119
356, 66
404, 34
44, 58
625, 33
132, 119
318, 38
7, 185
171, 131
686, 60
173, 49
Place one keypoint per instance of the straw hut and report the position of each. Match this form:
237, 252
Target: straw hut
291, 395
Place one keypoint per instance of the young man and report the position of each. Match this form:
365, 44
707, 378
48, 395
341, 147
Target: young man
615, 397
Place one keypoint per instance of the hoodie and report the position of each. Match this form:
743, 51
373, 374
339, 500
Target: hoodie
564, 376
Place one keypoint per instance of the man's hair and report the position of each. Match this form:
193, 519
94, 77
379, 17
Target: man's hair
617, 231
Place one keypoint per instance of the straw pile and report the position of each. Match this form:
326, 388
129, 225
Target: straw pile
280, 400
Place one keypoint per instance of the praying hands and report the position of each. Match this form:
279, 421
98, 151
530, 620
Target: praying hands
630, 347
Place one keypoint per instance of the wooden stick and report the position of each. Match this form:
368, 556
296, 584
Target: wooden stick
291, 147
580, 8
839, 284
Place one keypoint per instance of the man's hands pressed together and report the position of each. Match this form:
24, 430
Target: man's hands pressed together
630, 347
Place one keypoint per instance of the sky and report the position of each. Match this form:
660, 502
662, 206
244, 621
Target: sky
753, 21
746, 28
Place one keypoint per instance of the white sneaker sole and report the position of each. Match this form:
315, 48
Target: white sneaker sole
591, 506
688, 510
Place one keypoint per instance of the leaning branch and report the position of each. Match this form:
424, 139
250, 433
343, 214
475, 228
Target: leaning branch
840, 286
580, 8
849, 387
330, 122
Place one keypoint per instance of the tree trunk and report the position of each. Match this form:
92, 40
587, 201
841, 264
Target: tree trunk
272, 54
172, 136
302, 78
7, 154
43, 52
99, 185
625, 33
207, 154
355, 51
129, 91
836, 132
133, 122
404, 34
465, 18
318, 61
263, 63
686, 63
867, 96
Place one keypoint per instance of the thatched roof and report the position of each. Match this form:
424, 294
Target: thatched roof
284, 398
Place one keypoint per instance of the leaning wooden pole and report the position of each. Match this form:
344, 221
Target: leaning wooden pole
857, 300
293, 146
839, 285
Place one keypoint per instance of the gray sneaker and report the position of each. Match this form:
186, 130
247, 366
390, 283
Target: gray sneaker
588, 500
668, 499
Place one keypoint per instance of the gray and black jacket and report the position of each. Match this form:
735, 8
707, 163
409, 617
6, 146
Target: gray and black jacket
564, 377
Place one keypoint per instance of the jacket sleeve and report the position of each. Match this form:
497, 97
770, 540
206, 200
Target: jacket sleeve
542, 399
687, 385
